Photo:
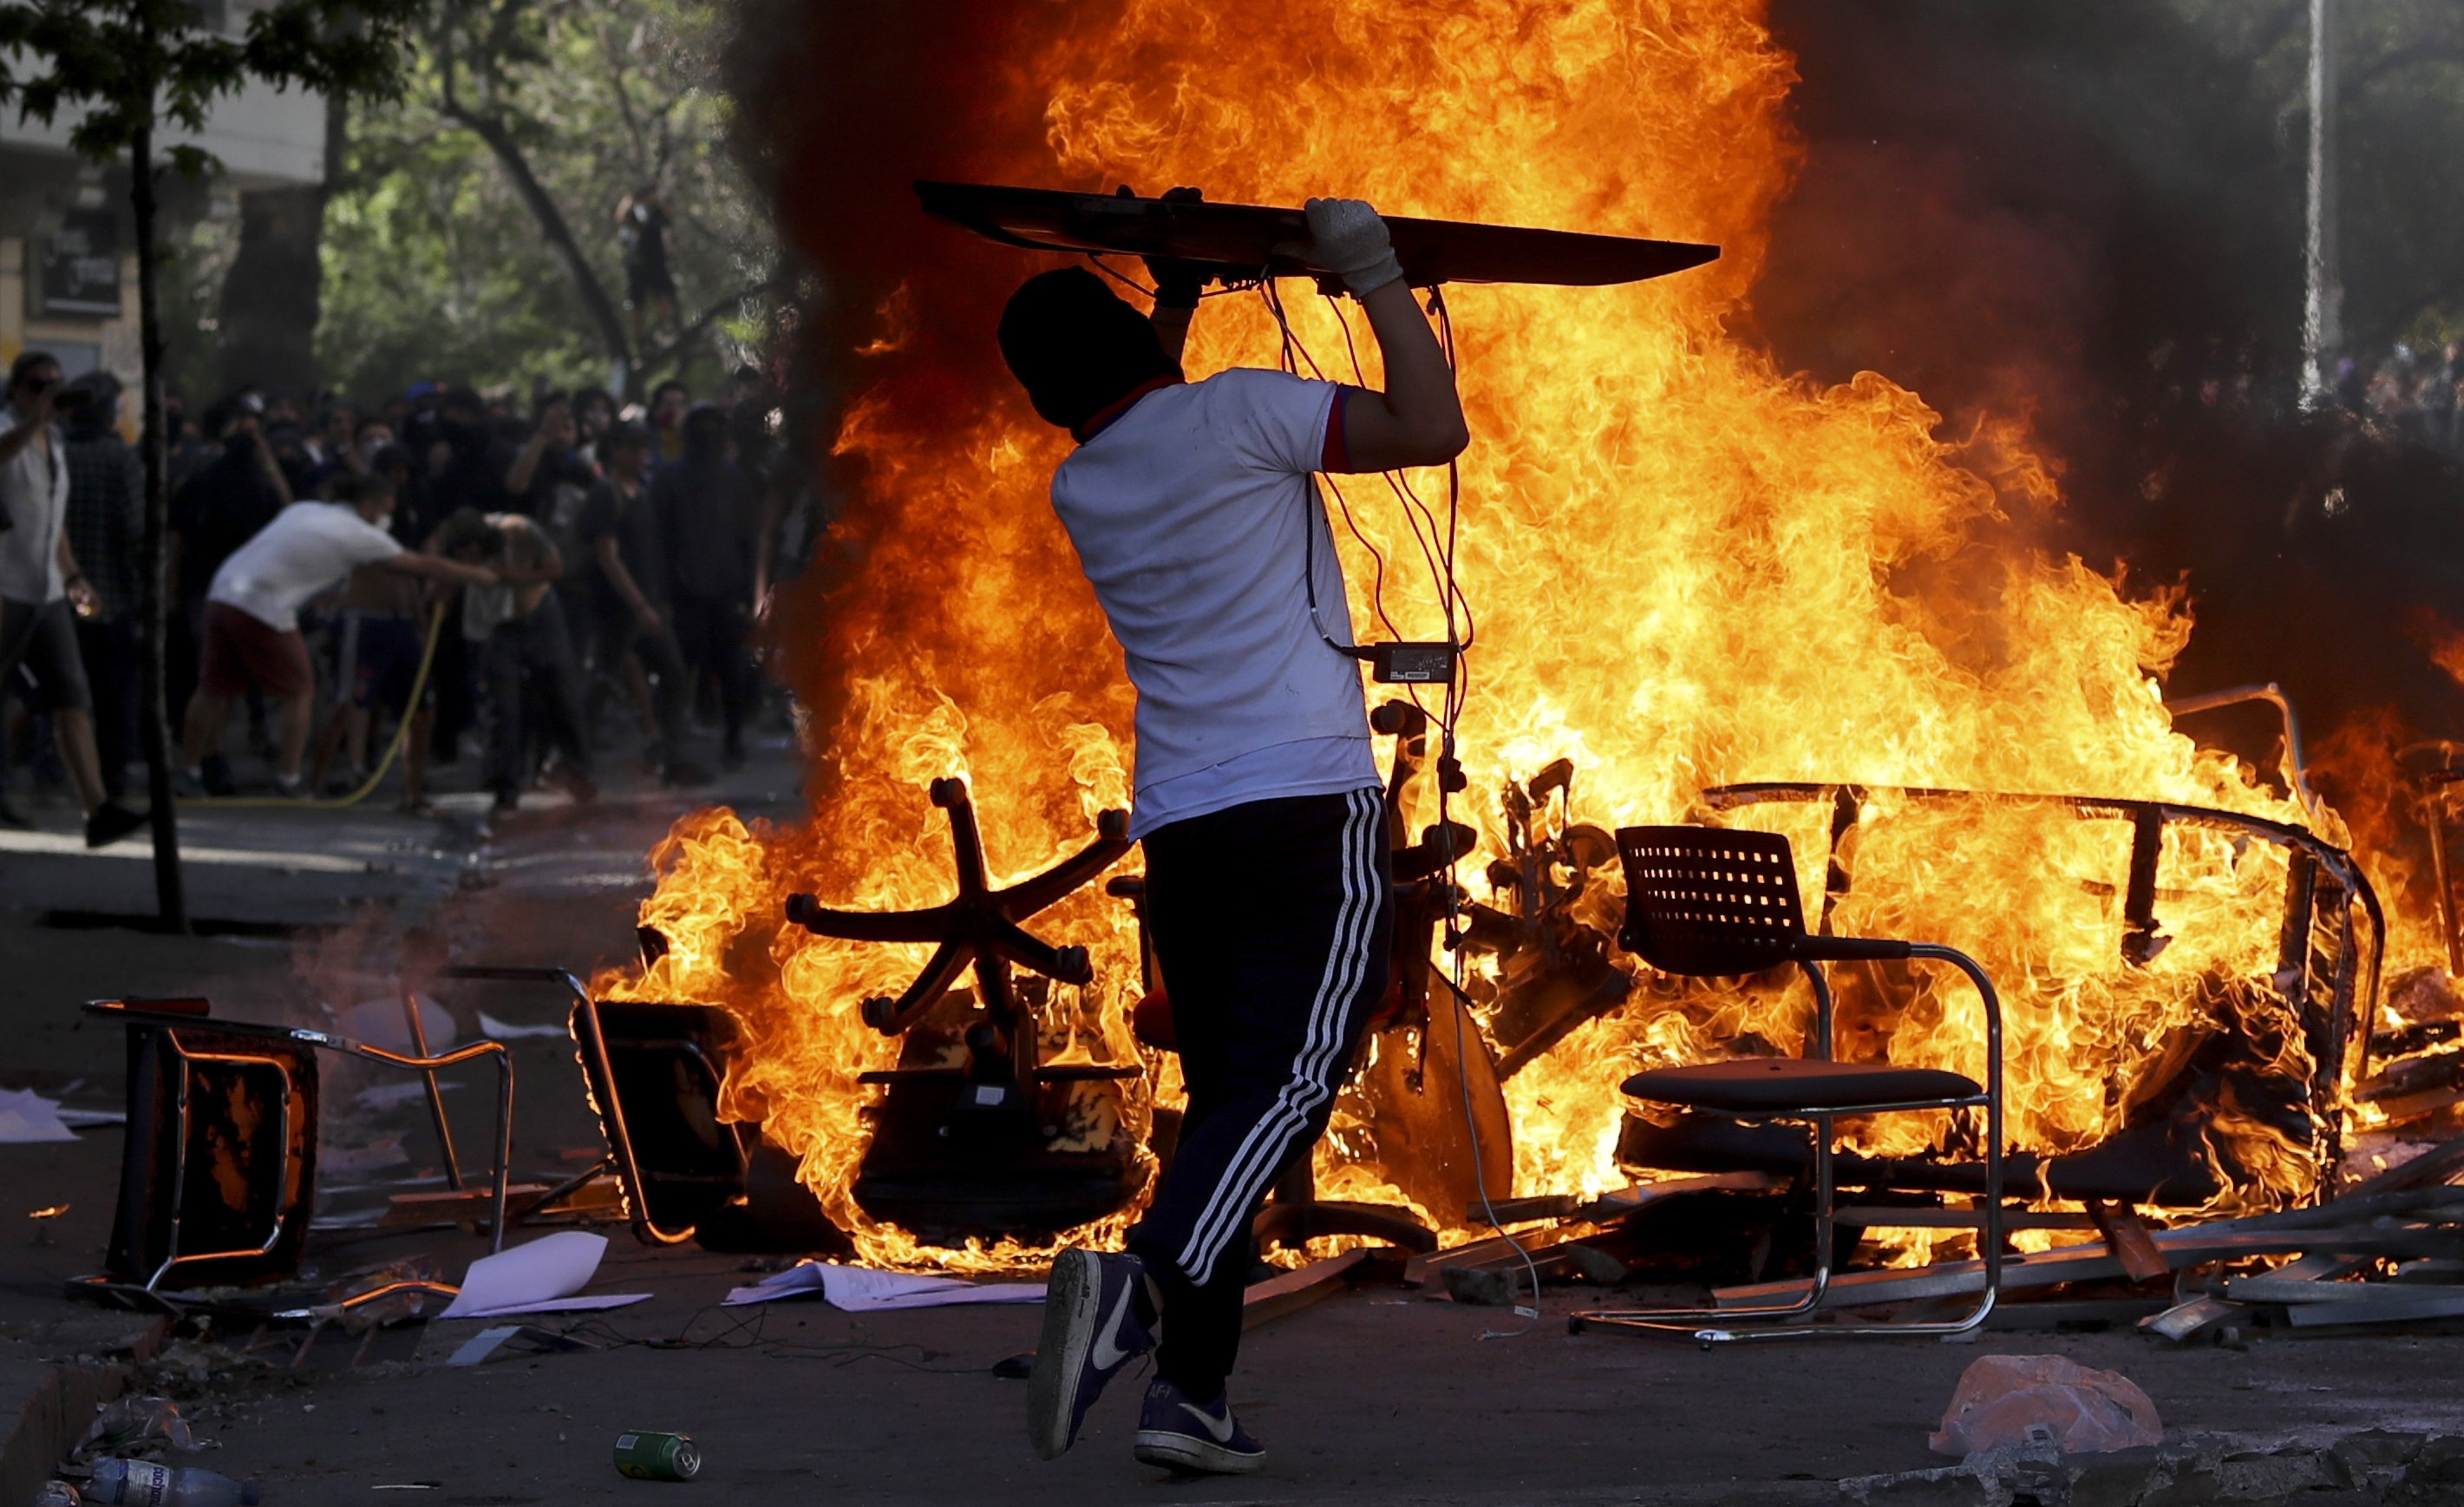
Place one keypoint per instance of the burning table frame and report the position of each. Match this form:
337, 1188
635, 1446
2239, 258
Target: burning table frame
2326, 973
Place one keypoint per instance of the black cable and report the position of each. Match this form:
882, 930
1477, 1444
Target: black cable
1439, 551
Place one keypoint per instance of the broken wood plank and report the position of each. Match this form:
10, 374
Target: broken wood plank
1885, 1216
2273, 1288
2141, 1260
1271, 1300
1430, 1265
467, 1206
1630, 1201
2410, 1311
1521, 1210
2093, 1261
2198, 1314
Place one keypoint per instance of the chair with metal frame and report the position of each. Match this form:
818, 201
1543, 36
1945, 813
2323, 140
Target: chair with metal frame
1708, 902
166, 1121
683, 1164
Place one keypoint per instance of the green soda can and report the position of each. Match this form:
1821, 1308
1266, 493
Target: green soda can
647, 1456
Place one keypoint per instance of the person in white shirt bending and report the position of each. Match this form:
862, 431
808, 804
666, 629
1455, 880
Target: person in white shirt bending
252, 629
1195, 517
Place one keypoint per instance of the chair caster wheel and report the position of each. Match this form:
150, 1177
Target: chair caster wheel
1575, 1323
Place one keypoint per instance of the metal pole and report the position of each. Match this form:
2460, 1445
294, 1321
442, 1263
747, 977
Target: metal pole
2322, 321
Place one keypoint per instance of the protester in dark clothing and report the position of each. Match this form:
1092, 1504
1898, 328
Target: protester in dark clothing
470, 470
220, 507
465, 468
594, 414
106, 527
621, 545
642, 231
525, 652
706, 512
548, 478
289, 443
224, 505
668, 400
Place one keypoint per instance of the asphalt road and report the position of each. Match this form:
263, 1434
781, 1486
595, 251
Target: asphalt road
1377, 1395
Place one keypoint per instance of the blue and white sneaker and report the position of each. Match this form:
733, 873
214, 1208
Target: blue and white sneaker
1177, 1433
1097, 1318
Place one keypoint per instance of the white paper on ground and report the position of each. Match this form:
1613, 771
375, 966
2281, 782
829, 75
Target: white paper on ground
540, 1277
26, 1116
496, 1029
862, 1289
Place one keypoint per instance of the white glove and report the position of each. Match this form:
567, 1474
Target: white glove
1348, 238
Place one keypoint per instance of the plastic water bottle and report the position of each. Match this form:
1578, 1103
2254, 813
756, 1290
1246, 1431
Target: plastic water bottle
141, 1483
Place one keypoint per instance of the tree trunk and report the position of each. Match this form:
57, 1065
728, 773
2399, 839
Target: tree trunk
171, 897
269, 297
595, 301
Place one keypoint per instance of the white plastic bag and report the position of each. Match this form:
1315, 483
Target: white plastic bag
2045, 1399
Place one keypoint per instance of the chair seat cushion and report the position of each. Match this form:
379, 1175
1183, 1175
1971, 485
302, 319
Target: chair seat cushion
1776, 1085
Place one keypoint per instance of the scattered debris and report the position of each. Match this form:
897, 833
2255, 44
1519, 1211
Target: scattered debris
528, 1338
644, 1455
546, 1275
130, 1426
2052, 1400
2377, 1468
142, 1483
862, 1289
27, 1117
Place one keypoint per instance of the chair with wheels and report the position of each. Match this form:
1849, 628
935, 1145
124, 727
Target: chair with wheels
1708, 903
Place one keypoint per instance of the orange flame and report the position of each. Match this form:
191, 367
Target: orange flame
1689, 567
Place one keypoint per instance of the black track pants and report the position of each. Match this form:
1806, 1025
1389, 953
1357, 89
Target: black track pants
1272, 923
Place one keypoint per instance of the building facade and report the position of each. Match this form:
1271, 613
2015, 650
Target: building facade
68, 262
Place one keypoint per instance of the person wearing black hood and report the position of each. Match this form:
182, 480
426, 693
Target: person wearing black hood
226, 502
220, 507
705, 506
106, 527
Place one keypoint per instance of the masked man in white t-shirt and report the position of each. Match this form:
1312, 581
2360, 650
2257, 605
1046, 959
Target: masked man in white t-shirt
1195, 517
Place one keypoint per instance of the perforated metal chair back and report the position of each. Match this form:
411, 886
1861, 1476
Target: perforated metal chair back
1703, 900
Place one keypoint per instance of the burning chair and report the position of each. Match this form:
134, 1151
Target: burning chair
1702, 901
982, 1146
2328, 940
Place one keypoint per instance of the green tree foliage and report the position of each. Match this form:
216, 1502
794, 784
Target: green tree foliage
474, 236
124, 70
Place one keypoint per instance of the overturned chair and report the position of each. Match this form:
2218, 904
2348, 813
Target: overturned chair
1708, 902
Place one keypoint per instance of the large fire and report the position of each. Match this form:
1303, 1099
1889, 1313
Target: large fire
1691, 569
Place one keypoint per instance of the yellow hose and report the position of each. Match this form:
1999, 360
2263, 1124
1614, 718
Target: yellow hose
376, 777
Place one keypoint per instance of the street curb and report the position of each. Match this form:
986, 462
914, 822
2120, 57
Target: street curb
59, 1404
54, 1416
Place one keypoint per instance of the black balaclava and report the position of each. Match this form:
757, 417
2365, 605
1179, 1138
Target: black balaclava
1076, 349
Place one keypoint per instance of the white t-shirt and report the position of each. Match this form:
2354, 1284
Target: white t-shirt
34, 492
307, 547
1188, 512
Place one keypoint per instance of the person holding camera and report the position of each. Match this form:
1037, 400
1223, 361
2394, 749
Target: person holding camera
42, 592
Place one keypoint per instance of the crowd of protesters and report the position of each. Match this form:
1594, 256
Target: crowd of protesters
440, 569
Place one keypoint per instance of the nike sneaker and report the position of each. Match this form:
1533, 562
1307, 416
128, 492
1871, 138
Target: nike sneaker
1179, 1433
1097, 1318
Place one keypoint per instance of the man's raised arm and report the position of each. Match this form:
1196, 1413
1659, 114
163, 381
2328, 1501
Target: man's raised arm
1417, 420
